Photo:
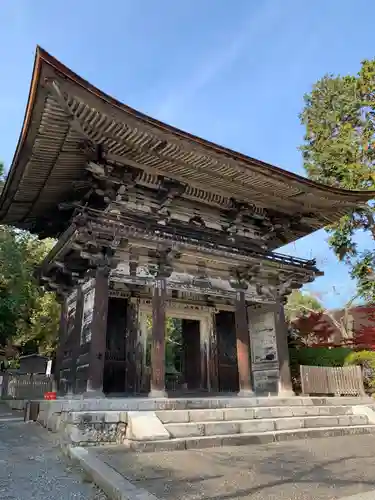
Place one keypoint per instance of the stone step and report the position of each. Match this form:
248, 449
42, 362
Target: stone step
8, 420
94, 417
255, 438
185, 416
211, 428
145, 404
204, 415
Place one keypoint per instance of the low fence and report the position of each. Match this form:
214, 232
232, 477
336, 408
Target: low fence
28, 386
337, 381
173, 382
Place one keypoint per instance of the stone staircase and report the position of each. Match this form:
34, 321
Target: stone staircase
146, 424
240, 426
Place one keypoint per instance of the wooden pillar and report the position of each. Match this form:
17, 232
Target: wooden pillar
76, 337
98, 334
158, 338
203, 367
143, 330
131, 385
213, 357
243, 346
205, 335
285, 387
61, 341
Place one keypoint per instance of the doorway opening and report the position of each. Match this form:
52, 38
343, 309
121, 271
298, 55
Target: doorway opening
182, 353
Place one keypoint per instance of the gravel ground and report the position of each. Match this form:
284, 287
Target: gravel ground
316, 469
32, 466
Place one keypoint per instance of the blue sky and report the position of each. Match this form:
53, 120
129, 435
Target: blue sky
232, 72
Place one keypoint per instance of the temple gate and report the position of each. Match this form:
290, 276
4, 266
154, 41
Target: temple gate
153, 223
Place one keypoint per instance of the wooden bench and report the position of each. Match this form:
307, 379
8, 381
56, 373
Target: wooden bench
336, 381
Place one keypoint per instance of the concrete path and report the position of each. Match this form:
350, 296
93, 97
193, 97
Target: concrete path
32, 466
317, 469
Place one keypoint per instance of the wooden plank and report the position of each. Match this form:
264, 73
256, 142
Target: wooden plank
338, 381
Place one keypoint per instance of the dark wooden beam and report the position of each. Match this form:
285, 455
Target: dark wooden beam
98, 333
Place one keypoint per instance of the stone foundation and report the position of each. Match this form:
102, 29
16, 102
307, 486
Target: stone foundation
84, 428
16, 404
196, 422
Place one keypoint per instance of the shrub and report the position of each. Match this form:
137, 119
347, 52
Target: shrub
320, 356
365, 359
314, 356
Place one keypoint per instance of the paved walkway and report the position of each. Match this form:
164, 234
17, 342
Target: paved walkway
317, 469
32, 467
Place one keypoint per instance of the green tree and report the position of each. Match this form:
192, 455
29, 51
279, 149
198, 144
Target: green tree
339, 150
173, 342
301, 304
28, 315
365, 359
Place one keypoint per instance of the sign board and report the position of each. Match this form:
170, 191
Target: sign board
71, 312
49, 368
88, 311
262, 336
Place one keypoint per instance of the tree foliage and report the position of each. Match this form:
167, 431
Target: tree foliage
302, 311
320, 356
173, 343
301, 304
28, 315
365, 359
364, 335
339, 150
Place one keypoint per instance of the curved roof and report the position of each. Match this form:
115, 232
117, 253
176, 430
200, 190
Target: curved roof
63, 110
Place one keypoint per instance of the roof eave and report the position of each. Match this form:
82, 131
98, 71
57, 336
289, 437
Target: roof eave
26, 122
352, 197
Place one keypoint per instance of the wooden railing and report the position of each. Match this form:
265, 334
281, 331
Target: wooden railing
28, 386
336, 381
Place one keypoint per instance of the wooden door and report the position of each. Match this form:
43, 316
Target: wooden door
227, 352
115, 359
192, 350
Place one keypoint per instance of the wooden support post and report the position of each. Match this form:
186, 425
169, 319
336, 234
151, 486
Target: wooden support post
205, 335
76, 337
158, 338
98, 334
61, 342
131, 341
213, 357
243, 346
285, 387
203, 366
143, 379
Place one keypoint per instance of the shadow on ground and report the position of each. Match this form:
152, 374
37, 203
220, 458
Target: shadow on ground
319, 469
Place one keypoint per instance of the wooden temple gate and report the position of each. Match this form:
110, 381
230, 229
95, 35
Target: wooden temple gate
216, 347
151, 218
